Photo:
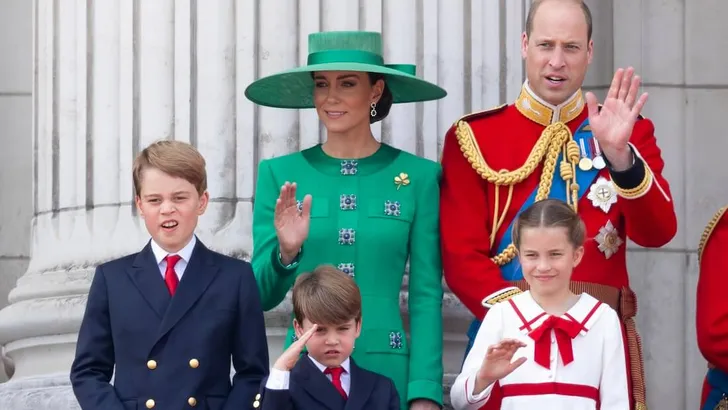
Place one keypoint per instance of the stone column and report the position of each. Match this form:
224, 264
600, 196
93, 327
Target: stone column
15, 164
110, 78
7, 367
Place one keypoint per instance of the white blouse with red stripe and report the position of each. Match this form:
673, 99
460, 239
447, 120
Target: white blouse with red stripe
573, 362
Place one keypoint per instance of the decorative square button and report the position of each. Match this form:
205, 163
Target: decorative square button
347, 268
395, 340
299, 205
346, 236
347, 202
392, 208
349, 167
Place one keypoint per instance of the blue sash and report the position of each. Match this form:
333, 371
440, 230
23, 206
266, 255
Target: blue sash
718, 381
512, 270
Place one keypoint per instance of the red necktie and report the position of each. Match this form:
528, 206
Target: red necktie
565, 330
335, 373
170, 277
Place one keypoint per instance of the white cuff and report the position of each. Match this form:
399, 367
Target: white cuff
474, 398
278, 379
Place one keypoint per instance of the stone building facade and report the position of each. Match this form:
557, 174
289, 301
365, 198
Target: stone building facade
85, 84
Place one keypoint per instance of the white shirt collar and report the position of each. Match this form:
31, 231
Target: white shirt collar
345, 364
185, 253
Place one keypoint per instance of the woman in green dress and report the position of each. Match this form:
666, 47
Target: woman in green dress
358, 204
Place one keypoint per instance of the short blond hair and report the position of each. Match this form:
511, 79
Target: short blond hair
174, 158
326, 296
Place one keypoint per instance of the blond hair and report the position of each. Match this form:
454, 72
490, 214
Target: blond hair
326, 296
174, 158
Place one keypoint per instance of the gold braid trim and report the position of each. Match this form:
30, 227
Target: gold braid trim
640, 189
555, 139
501, 297
709, 230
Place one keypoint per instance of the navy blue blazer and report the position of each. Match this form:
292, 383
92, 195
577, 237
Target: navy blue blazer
310, 389
171, 352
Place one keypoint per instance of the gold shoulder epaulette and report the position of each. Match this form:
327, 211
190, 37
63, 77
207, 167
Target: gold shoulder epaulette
483, 113
502, 297
709, 230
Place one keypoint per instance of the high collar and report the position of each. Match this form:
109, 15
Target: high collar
536, 109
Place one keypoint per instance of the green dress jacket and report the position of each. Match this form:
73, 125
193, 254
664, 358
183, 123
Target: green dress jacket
368, 216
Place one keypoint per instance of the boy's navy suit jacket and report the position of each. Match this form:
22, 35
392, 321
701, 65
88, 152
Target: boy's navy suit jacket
171, 352
310, 389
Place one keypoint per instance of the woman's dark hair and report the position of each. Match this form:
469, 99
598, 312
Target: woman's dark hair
385, 101
550, 213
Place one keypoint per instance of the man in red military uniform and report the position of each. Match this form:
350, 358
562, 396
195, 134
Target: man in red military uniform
553, 142
712, 310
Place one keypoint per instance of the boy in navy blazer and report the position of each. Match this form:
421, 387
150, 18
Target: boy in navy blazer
169, 319
327, 321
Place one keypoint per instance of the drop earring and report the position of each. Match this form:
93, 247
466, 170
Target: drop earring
373, 112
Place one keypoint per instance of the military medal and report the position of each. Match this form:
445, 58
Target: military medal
585, 163
599, 162
603, 195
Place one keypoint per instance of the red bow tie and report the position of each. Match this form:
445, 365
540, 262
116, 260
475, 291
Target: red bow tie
565, 330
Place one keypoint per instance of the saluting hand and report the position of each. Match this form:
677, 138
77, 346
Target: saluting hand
612, 126
291, 225
289, 358
497, 363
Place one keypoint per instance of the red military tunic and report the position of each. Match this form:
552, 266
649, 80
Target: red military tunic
635, 203
711, 307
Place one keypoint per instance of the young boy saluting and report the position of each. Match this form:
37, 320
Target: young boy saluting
327, 320
170, 317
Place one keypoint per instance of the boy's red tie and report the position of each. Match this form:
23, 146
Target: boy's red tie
170, 277
335, 373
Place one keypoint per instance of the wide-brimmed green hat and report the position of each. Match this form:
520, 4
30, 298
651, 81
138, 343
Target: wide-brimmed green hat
340, 51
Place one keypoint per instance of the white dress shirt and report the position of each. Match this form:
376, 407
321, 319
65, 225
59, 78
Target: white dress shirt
598, 369
280, 379
184, 253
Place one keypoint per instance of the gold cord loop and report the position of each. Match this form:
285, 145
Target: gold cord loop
555, 139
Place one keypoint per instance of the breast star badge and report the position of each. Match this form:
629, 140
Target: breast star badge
608, 239
603, 194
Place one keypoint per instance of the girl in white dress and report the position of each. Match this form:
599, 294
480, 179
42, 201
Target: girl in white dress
547, 348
